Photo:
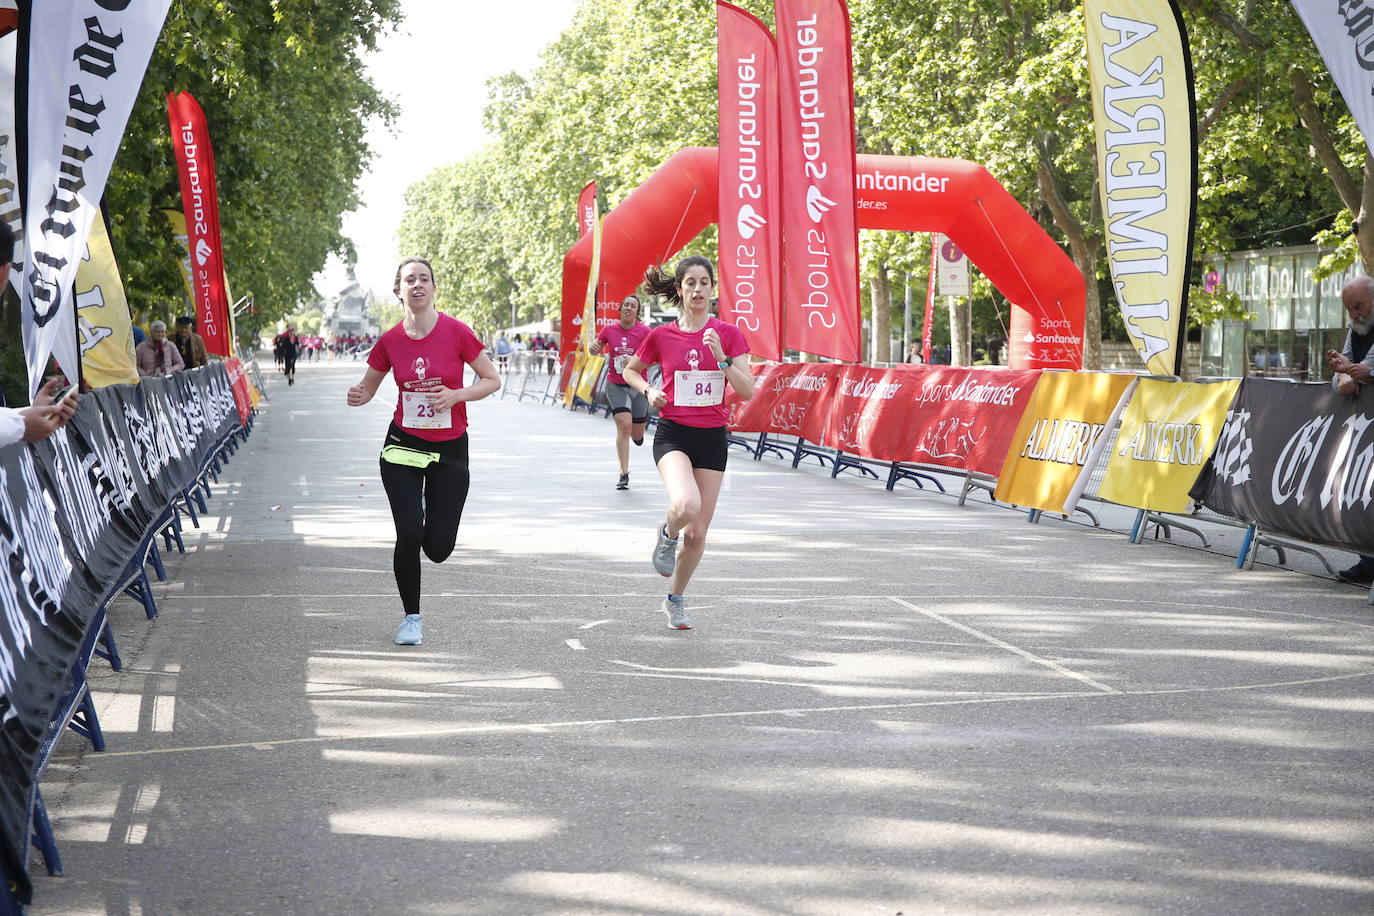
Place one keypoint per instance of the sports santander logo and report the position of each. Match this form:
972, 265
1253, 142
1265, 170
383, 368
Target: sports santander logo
749, 222
817, 204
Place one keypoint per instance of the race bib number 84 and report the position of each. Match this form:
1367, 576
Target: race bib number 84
418, 413
698, 389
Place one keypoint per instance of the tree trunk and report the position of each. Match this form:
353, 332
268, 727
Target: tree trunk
881, 298
1092, 324
1084, 250
960, 331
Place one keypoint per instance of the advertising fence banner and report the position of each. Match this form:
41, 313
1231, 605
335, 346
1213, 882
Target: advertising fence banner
9, 135
791, 399
1144, 118
1167, 434
242, 388
940, 415
83, 62
819, 212
196, 167
965, 418
1067, 414
749, 222
75, 510
1296, 459
1342, 33
107, 337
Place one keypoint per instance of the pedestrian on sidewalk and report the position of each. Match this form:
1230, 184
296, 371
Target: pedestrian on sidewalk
424, 461
629, 408
698, 355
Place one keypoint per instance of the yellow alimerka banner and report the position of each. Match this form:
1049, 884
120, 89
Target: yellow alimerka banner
1167, 434
178, 221
579, 360
1144, 122
590, 373
1067, 414
102, 315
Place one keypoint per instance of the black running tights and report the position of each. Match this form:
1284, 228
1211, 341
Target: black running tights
426, 505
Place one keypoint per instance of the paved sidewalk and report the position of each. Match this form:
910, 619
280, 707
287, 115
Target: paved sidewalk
890, 703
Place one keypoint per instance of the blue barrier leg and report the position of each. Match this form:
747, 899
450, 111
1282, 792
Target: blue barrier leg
155, 558
1033, 516
1245, 544
42, 836
110, 653
1138, 527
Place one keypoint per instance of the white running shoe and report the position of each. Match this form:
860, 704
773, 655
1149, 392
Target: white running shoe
677, 613
409, 632
665, 553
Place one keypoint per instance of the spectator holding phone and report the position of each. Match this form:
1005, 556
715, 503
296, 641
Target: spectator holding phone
45, 415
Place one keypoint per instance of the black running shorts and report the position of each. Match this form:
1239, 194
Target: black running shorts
707, 448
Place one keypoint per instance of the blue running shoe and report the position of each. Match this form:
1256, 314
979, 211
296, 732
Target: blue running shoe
665, 553
408, 633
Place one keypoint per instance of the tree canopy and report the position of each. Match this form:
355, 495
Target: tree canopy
1001, 82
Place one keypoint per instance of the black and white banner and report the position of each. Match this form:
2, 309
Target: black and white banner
82, 62
1343, 31
1296, 460
75, 512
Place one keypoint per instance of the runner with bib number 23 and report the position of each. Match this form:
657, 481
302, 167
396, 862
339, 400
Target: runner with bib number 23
699, 355
424, 460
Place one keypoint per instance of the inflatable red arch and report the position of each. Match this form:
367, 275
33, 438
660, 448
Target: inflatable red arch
910, 193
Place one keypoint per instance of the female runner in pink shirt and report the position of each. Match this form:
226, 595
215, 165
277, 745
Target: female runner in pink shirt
425, 456
698, 355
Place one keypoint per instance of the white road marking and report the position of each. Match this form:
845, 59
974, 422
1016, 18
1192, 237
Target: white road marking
993, 640
596, 623
537, 727
575, 645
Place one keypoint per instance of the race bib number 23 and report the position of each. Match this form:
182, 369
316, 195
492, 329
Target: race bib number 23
698, 389
418, 413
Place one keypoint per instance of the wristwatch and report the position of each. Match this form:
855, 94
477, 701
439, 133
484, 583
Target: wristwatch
723, 363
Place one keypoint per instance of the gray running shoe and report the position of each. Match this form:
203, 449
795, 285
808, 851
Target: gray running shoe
665, 553
623, 483
677, 614
409, 632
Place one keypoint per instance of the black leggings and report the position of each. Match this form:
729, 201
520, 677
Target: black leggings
426, 505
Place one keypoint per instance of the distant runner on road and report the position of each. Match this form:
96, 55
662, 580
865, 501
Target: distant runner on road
424, 460
629, 408
698, 355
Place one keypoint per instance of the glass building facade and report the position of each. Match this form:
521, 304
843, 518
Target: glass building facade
1298, 318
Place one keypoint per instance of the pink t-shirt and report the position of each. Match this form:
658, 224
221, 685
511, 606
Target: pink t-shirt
418, 366
620, 346
675, 350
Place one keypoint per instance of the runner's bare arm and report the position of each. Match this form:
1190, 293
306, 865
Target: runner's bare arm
634, 377
362, 392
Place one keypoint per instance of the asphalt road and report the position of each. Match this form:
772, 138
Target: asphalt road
890, 703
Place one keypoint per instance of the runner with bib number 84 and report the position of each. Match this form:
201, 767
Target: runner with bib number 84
699, 355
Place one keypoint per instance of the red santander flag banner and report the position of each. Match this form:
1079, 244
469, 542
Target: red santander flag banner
196, 166
586, 209
819, 216
749, 223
